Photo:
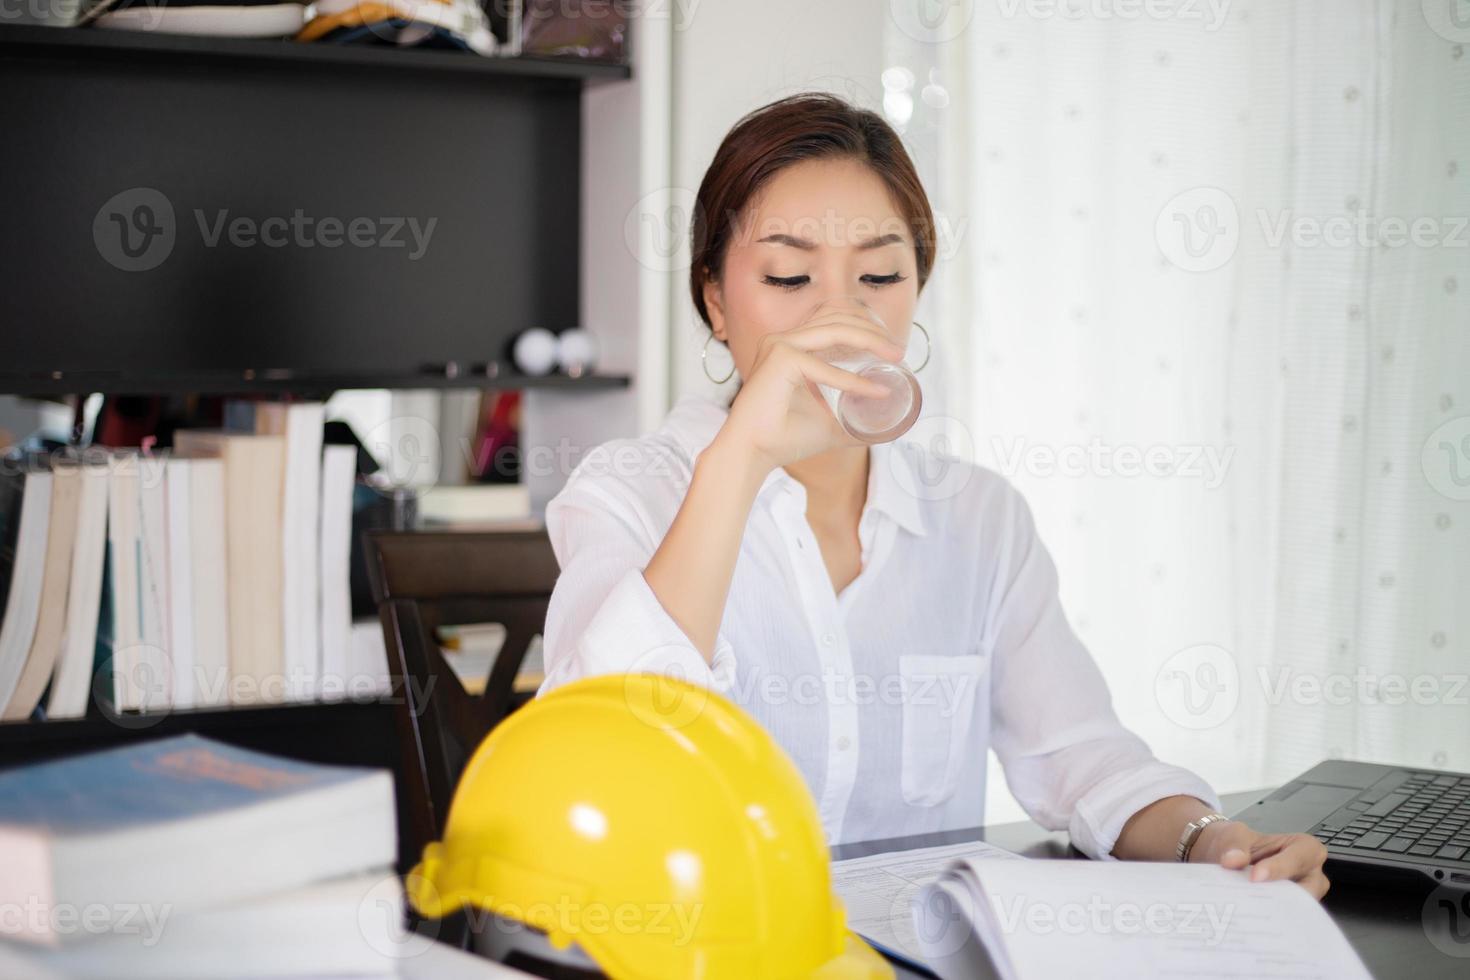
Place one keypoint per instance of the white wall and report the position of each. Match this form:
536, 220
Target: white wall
730, 58
625, 160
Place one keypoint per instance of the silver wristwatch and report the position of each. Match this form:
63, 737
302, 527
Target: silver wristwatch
1191, 834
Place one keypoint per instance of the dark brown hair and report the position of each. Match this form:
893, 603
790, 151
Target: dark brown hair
810, 126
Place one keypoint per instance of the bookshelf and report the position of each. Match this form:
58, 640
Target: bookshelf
293, 383
490, 148
137, 46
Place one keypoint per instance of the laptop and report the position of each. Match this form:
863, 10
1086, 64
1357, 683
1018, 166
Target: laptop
1384, 818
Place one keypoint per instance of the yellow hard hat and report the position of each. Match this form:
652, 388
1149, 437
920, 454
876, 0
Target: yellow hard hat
655, 825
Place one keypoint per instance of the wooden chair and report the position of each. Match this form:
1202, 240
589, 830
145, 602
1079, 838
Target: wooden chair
422, 580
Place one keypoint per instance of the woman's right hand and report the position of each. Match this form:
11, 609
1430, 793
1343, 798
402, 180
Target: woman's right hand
779, 414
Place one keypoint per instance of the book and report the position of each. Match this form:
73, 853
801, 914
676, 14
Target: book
121, 631
211, 614
367, 673
12, 495
300, 425
876, 891
71, 684
132, 647
978, 916
416, 958
179, 604
475, 505
254, 474
186, 823
339, 483
342, 927
66, 488
23, 563
154, 662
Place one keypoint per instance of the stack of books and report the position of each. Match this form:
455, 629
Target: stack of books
188, 858
212, 575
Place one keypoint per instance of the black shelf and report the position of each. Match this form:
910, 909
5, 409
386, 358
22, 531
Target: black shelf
23, 39
100, 728
483, 152
236, 383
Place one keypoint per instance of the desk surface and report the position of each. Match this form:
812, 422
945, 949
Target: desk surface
1383, 922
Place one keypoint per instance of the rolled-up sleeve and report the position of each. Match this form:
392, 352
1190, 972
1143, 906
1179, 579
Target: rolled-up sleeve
603, 617
1067, 759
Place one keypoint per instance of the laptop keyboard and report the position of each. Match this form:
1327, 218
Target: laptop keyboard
1425, 815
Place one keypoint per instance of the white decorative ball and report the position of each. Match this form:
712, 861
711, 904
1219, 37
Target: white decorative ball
576, 350
534, 351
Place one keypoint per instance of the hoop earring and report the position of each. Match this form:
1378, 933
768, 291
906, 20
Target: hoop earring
928, 346
704, 361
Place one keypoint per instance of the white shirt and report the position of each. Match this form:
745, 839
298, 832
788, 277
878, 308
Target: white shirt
951, 640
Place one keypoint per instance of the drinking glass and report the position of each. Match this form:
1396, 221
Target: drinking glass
871, 419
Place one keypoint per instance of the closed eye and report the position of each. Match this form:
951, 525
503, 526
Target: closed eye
796, 282
888, 280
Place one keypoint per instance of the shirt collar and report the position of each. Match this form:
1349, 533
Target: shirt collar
695, 420
890, 493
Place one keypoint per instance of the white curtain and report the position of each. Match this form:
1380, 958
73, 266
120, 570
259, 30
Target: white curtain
1204, 295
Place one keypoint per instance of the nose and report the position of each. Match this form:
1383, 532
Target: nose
841, 300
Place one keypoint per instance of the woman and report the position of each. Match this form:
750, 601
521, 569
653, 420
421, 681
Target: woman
887, 633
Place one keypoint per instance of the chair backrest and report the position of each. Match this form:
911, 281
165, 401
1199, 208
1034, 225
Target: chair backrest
422, 580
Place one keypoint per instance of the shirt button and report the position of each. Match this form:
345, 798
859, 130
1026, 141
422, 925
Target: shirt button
828, 639
844, 743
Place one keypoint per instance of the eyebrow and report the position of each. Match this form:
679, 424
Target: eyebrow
807, 245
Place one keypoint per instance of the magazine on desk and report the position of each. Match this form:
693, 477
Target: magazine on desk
974, 910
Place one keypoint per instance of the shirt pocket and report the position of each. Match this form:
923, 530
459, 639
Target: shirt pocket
939, 698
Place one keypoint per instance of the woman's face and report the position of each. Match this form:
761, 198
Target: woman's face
819, 230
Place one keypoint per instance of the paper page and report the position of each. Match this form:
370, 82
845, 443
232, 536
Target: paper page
877, 889
1126, 920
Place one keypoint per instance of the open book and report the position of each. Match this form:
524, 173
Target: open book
964, 914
